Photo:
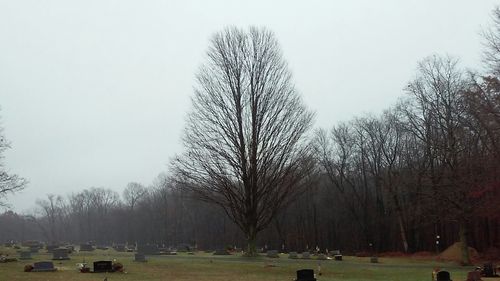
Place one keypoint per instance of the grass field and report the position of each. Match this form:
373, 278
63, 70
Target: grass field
205, 267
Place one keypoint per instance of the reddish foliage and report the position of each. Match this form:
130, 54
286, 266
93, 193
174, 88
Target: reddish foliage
363, 254
423, 254
393, 254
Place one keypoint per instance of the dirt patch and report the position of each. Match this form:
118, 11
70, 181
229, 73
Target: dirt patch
454, 253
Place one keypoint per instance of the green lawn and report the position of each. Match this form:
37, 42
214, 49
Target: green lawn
205, 267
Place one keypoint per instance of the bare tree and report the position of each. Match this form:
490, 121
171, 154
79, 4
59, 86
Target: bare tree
439, 118
245, 137
133, 193
491, 42
9, 183
53, 210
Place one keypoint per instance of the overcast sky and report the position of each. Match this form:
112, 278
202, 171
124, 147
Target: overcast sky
94, 93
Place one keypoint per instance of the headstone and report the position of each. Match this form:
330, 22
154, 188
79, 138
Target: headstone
305, 275
474, 276
338, 257
306, 255
70, 248
51, 248
374, 259
293, 255
139, 257
334, 253
43, 266
34, 249
322, 257
443, 276
25, 256
488, 270
86, 248
60, 254
103, 266
272, 254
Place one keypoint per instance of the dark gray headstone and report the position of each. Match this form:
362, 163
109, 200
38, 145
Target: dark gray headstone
140, 257
306, 255
338, 257
25, 255
103, 266
272, 254
335, 252
34, 249
51, 248
60, 254
293, 255
305, 275
443, 276
374, 260
43, 266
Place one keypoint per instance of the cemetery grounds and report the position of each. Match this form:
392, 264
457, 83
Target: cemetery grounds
204, 267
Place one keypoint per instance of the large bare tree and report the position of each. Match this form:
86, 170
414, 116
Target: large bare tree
245, 138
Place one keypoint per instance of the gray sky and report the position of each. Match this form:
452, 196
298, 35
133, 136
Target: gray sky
94, 93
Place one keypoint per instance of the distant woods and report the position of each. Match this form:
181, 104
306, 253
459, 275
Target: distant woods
426, 169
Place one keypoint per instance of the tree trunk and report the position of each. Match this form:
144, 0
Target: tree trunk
463, 242
402, 232
251, 250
